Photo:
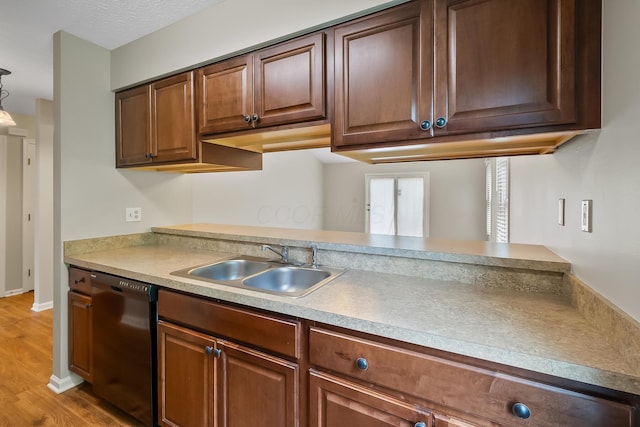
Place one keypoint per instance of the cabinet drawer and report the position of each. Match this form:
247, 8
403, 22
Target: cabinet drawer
266, 332
479, 392
80, 280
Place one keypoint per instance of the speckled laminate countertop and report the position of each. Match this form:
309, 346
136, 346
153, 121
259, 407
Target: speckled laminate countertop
542, 333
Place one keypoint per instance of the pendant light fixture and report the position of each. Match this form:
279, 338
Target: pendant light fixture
5, 117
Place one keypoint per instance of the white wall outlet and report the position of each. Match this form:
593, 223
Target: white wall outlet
560, 211
585, 222
133, 214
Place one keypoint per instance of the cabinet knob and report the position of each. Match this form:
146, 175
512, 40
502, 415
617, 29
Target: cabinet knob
362, 364
425, 125
247, 118
255, 118
441, 122
87, 306
216, 352
420, 424
78, 281
521, 410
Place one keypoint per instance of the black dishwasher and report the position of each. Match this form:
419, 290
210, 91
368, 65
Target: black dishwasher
124, 345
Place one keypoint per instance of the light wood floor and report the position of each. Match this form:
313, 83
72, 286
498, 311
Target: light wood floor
26, 340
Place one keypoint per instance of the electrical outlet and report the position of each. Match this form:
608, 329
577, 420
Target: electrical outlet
133, 214
585, 223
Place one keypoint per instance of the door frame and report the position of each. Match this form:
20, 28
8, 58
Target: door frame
3, 209
29, 194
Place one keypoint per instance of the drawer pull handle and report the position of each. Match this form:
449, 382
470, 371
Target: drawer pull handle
362, 364
420, 424
521, 410
80, 280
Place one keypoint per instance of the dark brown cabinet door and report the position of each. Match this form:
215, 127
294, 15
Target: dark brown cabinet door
383, 76
289, 81
173, 133
81, 335
133, 126
255, 389
504, 65
186, 377
225, 95
338, 403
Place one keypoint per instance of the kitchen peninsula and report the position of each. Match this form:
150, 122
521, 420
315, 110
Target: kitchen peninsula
502, 309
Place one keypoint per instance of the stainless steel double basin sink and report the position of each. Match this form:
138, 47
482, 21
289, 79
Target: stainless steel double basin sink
262, 274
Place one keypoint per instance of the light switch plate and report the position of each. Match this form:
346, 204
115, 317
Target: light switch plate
560, 211
585, 223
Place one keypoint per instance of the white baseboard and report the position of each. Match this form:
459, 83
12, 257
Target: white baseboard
13, 292
42, 306
60, 385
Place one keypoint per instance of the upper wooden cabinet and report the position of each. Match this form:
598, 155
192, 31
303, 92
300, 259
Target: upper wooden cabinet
502, 65
277, 85
466, 69
155, 123
383, 76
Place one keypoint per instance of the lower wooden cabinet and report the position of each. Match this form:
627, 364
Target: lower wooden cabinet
80, 319
487, 397
338, 403
186, 377
207, 378
204, 381
81, 335
256, 389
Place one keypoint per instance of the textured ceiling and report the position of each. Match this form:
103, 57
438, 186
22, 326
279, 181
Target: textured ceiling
27, 28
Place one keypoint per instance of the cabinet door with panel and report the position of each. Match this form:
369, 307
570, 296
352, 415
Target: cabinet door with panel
225, 95
504, 65
173, 133
255, 389
133, 126
186, 377
336, 403
81, 335
289, 81
383, 76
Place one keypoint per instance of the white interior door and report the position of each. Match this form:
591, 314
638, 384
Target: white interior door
28, 212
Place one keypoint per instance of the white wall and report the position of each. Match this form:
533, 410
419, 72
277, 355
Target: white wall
223, 29
602, 167
43, 274
457, 202
287, 192
90, 194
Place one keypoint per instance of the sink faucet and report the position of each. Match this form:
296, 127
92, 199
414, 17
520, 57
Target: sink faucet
314, 255
284, 254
